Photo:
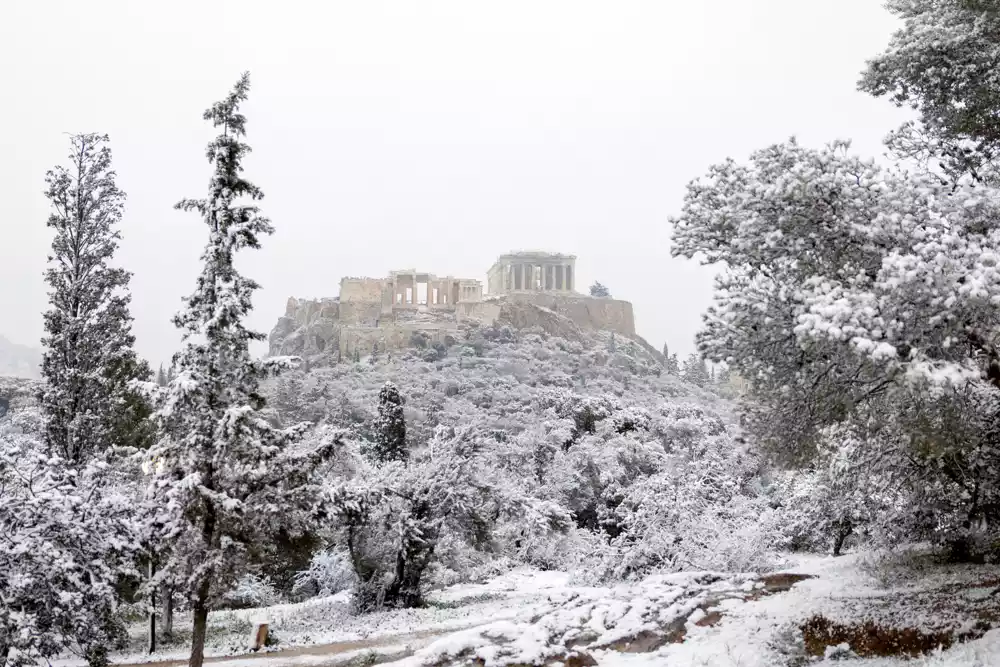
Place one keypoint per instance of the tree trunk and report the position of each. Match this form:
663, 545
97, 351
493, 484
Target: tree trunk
200, 609
152, 610
843, 531
167, 615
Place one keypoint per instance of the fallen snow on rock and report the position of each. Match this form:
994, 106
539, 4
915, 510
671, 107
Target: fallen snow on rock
638, 617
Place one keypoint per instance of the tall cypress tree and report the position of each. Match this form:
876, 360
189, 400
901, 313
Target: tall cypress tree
89, 360
389, 427
224, 481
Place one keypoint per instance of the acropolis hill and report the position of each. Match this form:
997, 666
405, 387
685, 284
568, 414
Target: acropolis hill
411, 308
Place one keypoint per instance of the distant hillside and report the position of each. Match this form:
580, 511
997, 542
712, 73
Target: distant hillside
19, 360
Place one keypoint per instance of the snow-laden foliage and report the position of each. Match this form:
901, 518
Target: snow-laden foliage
329, 573
695, 371
830, 254
943, 63
856, 294
393, 516
64, 537
252, 590
860, 301
844, 278
224, 481
89, 361
530, 448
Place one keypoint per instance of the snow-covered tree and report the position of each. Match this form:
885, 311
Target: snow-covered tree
695, 371
61, 548
941, 62
89, 359
223, 479
394, 518
670, 362
599, 290
389, 429
850, 286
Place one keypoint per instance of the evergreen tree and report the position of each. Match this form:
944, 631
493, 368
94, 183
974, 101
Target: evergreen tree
161, 377
224, 480
670, 363
695, 371
611, 344
389, 427
599, 290
372, 359
89, 361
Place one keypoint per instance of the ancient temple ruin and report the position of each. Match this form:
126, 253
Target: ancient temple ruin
410, 287
410, 307
532, 272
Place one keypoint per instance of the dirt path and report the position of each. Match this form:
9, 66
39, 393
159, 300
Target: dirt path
411, 640
346, 652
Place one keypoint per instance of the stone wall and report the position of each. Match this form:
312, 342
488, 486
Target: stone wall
587, 312
362, 289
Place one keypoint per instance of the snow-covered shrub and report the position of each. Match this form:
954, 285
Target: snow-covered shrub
251, 590
329, 573
67, 535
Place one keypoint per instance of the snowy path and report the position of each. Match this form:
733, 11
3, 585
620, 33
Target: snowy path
680, 620
547, 622
385, 648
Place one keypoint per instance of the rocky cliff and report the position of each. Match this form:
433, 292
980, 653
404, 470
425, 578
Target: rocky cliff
328, 329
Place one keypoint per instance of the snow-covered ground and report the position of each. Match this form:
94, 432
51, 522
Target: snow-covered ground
681, 620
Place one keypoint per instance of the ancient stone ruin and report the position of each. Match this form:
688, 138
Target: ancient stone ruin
411, 308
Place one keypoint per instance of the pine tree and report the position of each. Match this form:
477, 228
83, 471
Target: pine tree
161, 377
89, 361
224, 479
599, 290
695, 370
670, 363
389, 427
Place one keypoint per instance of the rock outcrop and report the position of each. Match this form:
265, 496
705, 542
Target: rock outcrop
324, 329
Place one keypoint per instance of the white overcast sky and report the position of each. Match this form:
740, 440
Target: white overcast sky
426, 134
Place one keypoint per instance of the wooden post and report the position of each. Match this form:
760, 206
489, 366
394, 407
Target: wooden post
152, 609
259, 637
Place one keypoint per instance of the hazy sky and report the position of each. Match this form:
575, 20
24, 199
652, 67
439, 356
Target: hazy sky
425, 134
